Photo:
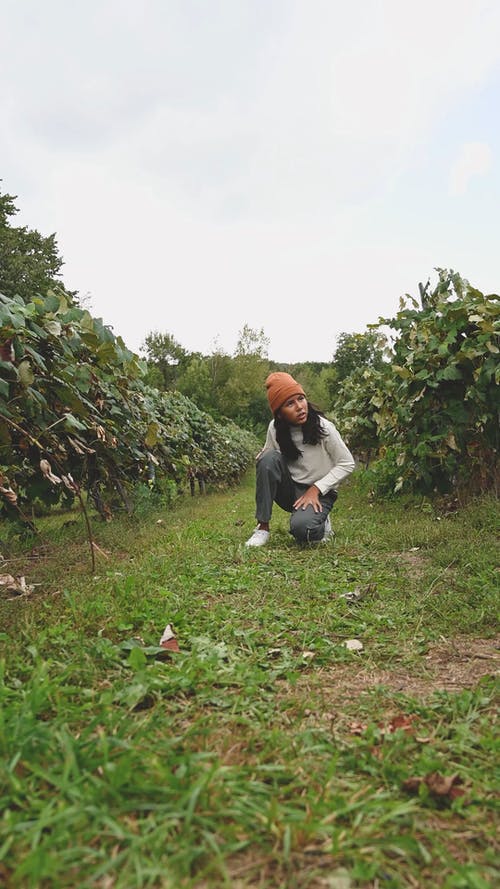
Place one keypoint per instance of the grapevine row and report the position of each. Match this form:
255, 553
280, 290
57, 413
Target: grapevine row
75, 413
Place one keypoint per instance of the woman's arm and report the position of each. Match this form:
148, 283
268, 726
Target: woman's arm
342, 460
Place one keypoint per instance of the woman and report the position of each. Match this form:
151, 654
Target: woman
300, 466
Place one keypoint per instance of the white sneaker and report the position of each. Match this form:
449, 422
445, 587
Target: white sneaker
258, 538
328, 531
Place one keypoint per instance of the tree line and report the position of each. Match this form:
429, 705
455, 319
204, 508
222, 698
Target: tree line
232, 385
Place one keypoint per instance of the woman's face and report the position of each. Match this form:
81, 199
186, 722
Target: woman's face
294, 410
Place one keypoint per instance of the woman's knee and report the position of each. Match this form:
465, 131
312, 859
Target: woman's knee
306, 526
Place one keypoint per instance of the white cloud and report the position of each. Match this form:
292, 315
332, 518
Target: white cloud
210, 165
474, 159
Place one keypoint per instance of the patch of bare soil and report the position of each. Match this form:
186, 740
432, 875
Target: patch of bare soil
450, 665
413, 561
249, 871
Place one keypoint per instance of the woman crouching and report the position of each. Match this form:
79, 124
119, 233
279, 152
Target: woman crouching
300, 466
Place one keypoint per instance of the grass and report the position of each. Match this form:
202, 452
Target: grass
264, 753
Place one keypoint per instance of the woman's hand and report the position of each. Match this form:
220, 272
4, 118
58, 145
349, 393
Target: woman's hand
309, 498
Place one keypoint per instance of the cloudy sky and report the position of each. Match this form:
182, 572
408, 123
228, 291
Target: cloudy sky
296, 165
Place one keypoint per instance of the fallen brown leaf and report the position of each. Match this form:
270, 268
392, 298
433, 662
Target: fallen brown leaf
357, 728
16, 585
440, 786
6, 580
412, 784
170, 645
401, 721
168, 639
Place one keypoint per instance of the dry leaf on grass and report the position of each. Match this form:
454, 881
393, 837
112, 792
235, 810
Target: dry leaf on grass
16, 585
338, 879
358, 593
7, 580
400, 721
168, 639
441, 786
352, 596
357, 728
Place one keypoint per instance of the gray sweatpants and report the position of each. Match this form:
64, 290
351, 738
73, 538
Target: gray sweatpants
275, 485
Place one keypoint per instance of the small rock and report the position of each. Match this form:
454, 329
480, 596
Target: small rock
353, 645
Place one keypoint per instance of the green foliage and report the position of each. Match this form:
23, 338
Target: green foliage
73, 394
252, 343
440, 409
196, 382
356, 376
229, 386
243, 398
432, 412
148, 497
165, 357
29, 262
357, 402
356, 351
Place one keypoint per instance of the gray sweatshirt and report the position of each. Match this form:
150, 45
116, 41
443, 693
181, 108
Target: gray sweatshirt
324, 465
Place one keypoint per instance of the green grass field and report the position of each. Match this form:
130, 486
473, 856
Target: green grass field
264, 753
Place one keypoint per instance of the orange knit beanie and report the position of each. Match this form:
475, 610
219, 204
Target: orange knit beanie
280, 387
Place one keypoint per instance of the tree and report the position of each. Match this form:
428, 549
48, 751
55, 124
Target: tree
196, 383
244, 398
29, 262
165, 357
231, 386
252, 342
317, 378
358, 350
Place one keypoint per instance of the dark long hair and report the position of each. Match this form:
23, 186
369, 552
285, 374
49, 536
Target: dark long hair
312, 432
